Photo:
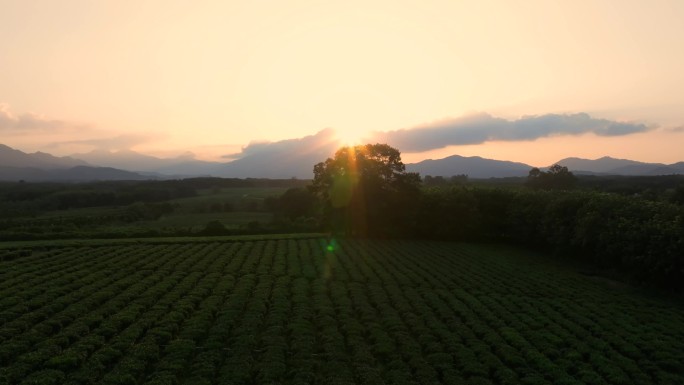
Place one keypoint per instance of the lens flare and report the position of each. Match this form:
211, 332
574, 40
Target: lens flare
350, 138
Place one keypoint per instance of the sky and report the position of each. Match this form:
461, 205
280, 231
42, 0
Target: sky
528, 81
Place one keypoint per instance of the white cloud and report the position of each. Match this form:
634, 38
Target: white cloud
481, 128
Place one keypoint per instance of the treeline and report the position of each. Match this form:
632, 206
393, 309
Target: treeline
629, 234
666, 188
641, 237
21, 199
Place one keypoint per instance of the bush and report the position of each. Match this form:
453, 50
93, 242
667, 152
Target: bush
213, 228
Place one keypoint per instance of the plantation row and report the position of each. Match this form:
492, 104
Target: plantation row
291, 311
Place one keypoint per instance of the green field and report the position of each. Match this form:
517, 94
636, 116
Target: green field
238, 209
195, 212
302, 311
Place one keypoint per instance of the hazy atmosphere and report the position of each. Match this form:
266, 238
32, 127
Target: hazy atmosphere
219, 192
531, 81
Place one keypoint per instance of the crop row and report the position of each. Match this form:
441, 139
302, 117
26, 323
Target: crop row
291, 311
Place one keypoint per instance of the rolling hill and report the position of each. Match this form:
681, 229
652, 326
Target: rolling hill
474, 167
612, 166
10, 157
184, 165
74, 174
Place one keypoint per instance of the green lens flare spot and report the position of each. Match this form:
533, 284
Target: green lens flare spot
330, 248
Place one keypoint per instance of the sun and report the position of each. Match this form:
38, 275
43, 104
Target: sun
350, 137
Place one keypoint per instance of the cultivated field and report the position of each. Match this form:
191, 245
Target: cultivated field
303, 311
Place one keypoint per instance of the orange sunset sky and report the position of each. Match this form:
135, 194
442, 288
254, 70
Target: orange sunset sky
210, 77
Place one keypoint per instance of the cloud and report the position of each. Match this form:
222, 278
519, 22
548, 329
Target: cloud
259, 147
322, 142
286, 158
10, 122
481, 128
676, 129
120, 142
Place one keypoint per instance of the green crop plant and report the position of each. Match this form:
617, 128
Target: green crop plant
287, 310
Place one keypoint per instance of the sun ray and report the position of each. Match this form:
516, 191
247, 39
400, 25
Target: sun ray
350, 138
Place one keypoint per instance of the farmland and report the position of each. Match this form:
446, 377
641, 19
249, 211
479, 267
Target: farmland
309, 311
129, 210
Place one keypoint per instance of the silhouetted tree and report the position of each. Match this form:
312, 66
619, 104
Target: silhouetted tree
366, 190
557, 178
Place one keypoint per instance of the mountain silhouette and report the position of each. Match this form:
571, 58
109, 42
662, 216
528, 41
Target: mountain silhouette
473, 166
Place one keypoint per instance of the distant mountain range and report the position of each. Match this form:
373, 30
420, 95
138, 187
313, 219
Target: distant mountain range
283, 159
474, 167
74, 174
41, 167
612, 166
184, 165
10, 157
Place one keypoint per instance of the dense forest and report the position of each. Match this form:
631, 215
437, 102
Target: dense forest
638, 232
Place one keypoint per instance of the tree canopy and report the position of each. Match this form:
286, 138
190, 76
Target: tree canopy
365, 189
556, 178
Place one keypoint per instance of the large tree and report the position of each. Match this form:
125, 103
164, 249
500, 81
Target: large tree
366, 190
557, 178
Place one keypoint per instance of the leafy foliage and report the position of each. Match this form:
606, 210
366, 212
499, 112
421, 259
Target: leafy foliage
288, 311
557, 178
366, 190
640, 237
